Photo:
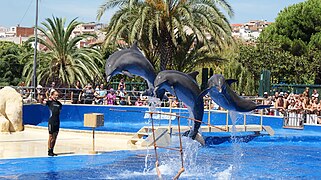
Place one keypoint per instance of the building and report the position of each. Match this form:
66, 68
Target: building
250, 31
89, 28
16, 34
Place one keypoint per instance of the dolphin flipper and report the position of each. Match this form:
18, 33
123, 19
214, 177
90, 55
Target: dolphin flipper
127, 74
230, 81
262, 106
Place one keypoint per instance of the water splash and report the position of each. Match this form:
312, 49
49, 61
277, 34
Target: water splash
153, 103
236, 145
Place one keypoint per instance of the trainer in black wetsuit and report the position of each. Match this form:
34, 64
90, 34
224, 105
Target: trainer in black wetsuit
54, 121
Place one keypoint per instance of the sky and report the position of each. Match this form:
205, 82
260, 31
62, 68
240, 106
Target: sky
14, 12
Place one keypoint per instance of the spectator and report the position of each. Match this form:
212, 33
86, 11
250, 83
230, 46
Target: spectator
279, 103
51, 89
175, 103
40, 94
123, 101
111, 97
121, 85
139, 102
100, 95
132, 96
315, 94
76, 93
88, 94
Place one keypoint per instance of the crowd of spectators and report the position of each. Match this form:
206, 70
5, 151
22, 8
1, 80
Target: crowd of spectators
285, 102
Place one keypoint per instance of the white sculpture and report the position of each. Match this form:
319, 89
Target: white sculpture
10, 110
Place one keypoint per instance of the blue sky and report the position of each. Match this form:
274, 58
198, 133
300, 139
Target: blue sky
13, 12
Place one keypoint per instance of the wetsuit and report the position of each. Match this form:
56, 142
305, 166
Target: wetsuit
54, 121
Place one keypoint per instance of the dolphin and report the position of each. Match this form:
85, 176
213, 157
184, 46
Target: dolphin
130, 62
222, 94
185, 88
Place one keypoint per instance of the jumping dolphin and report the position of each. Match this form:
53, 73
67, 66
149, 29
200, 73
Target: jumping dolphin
130, 62
222, 94
185, 88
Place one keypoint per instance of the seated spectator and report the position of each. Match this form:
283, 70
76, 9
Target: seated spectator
175, 103
51, 89
139, 102
76, 93
123, 101
132, 96
315, 94
88, 94
279, 103
100, 95
111, 97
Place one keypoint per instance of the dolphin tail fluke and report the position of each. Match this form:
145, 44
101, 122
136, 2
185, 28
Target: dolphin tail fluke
148, 92
195, 136
263, 106
203, 93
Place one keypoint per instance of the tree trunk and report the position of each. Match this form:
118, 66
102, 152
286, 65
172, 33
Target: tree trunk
166, 49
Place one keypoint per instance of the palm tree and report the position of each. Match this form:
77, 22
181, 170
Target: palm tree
63, 61
160, 22
190, 53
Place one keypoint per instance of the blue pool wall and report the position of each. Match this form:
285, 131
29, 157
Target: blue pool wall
35, 113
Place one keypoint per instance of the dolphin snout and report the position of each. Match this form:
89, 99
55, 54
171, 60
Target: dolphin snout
108, 78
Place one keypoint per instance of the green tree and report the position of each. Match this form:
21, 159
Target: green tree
63, 61
299, 21
11, 62
156, 24
297, 31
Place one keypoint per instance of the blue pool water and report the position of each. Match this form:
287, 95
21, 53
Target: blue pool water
289, 155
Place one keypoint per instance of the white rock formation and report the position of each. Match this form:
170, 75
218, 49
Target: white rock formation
10, 110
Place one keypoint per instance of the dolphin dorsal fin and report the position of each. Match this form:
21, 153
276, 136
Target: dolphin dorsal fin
134, 46
193, 74
230, 81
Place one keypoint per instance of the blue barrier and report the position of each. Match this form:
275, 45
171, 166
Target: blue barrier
36, 113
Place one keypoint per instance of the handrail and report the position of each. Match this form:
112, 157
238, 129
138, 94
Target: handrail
169, 114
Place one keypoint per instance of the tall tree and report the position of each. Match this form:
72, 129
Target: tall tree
63, 61
160, 22
297, 30
11, 62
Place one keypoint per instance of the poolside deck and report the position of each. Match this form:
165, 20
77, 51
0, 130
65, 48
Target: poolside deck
32, 142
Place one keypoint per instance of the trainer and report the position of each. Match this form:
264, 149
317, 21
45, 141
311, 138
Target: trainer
54, 121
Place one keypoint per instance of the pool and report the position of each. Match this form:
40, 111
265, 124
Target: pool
288, 155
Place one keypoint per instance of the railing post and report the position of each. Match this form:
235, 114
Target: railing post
180, 149
155, 147
170, 119
244, 121
261, 112
209, 115
226, 126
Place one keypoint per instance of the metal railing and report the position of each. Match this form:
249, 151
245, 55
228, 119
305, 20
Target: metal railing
294, 118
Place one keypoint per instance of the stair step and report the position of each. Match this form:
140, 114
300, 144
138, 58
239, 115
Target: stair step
144, 133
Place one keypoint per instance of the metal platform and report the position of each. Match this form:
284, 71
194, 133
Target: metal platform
162, 133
